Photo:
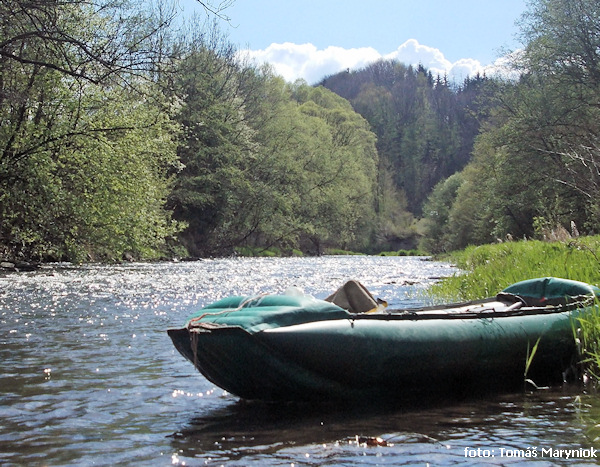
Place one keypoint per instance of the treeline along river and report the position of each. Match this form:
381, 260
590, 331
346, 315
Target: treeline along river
89, 377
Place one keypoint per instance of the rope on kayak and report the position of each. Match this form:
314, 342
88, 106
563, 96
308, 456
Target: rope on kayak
227, 310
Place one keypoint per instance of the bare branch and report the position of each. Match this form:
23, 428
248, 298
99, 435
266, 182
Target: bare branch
217, 9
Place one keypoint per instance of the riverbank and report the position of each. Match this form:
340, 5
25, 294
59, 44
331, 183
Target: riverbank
490, 268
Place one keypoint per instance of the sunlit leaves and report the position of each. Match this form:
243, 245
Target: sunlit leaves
269, 163
86, 141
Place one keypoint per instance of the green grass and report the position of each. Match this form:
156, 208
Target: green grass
586, 332
488, 269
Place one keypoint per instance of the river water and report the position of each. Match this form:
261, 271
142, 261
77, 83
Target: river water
89, 376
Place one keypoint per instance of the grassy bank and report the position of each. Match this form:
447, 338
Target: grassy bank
490, 268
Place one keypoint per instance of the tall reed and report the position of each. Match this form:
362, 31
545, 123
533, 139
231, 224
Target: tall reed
587, 336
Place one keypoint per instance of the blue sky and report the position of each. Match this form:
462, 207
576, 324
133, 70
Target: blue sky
310, 39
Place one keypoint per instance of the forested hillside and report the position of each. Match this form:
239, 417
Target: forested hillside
508, 158
126, 135
425, 127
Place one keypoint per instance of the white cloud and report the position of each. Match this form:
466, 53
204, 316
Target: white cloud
294, 61
413, 53
464, 67
305, 61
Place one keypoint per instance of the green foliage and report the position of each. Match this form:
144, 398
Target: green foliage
425, 132
395, 226
296, 169
108, 116
439, 236
529, 359
586, 331
338, 178
94, 198
87, 141
212, 148
560, 40
425, 129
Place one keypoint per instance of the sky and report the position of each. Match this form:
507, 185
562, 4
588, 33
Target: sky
310, 39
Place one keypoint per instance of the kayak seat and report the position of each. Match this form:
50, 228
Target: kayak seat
354, 297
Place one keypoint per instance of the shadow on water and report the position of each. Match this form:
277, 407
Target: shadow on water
258, 428
430, 431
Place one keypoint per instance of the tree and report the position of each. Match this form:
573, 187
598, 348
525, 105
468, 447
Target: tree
76, 93
339, 175
562, 40
436, 212
216, 93
267, 164
561, 66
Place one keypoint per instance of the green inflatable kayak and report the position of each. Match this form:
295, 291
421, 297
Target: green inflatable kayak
285, 347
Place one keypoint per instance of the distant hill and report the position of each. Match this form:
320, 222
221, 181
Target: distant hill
425, 126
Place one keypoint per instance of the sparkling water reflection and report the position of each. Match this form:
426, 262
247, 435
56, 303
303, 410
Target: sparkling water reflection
89, 377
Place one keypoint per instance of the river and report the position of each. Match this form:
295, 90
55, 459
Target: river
89, 377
